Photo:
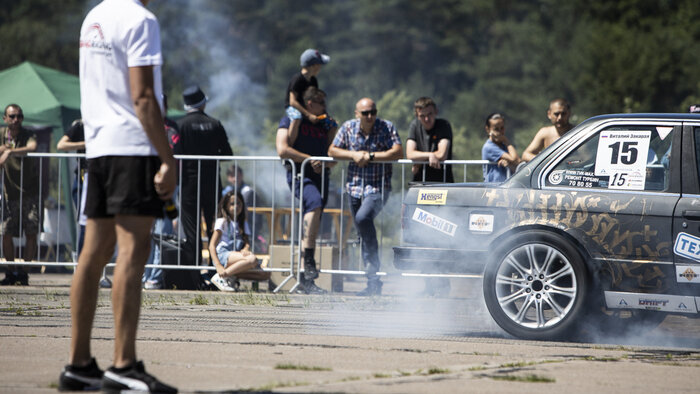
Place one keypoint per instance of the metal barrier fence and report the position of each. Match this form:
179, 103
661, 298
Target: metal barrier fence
266, 176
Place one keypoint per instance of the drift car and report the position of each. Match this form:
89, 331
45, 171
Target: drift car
602, 228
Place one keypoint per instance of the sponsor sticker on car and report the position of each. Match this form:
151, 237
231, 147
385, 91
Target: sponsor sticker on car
481, 223
432, 197
435, 222
687, 274
650, 302
687, 246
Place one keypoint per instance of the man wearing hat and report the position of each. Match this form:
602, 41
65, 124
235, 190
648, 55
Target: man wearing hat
200, 134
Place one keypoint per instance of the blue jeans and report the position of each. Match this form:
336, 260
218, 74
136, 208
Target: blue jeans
363, 212
162, 226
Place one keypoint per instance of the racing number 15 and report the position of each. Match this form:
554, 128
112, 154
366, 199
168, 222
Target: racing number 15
627, 156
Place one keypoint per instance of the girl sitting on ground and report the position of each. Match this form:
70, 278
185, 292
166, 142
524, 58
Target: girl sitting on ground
229, 246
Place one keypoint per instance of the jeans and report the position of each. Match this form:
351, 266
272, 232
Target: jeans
162, 226
364, 211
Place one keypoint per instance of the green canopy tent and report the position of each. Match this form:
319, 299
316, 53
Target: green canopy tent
48, 97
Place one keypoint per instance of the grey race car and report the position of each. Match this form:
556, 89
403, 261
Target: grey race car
602, 227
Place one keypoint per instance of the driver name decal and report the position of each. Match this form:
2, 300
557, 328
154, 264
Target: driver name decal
434, 222
622, 155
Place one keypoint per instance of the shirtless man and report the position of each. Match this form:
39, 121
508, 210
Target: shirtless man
558, 113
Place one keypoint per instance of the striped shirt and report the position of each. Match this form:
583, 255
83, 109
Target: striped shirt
367, 180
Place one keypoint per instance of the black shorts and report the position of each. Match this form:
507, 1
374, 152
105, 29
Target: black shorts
122, 185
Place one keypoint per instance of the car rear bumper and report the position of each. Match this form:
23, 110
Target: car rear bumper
439, 260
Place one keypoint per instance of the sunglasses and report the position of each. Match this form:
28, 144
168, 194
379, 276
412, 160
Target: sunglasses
368, 113
15, 116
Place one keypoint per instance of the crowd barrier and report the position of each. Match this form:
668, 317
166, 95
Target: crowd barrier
275, 217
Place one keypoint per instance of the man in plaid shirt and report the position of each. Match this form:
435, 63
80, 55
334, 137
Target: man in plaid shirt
367, 140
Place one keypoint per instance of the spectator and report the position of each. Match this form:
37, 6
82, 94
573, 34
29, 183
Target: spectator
236, 183
367, 140
498, 149
164, 226
21, 192
230, 245
313, 139
200, 134
131, 170
429, 139
311, 62
74, 140
558, 113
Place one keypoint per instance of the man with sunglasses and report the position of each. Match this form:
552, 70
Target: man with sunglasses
558, 113
298, 144
21, 192
367, 141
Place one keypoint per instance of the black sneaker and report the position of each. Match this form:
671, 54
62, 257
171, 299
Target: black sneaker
374, 288
87, 378
310, 271
311, 288
22, 278
133, 378
10, 279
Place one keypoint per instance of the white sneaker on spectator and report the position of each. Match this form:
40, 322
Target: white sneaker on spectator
221, 283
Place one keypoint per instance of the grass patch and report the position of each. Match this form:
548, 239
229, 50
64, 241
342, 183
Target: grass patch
527, 378
477, 368
275, 385
298, 367
199, 300
603, 359
437, 371
381, 375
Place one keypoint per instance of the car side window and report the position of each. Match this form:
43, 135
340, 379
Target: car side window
620, 158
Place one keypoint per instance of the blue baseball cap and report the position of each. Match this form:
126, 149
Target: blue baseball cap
313, 56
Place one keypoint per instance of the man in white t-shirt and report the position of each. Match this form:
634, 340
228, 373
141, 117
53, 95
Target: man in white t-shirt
131, 170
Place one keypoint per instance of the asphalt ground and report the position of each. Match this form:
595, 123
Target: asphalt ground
401, 342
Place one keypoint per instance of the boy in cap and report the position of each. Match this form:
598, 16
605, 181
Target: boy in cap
311, 62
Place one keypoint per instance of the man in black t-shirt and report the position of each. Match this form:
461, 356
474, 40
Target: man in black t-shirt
429, 139
312, 139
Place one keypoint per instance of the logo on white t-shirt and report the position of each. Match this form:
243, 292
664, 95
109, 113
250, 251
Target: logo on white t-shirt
94, 40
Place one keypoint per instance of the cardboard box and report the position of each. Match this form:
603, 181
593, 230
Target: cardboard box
326, 258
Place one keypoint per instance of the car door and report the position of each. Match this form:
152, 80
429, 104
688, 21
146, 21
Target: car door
615, 193
686, 223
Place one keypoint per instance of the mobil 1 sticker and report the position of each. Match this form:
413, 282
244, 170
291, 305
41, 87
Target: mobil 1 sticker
622, 155
687, 246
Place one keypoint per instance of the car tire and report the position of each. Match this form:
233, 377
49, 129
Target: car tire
536, 285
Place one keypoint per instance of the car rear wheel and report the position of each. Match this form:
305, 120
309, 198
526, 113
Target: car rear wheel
536, 285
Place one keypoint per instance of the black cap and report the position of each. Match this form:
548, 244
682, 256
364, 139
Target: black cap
193, 97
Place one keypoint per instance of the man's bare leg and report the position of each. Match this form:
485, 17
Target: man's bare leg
97, 250
312, 221
134, 247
